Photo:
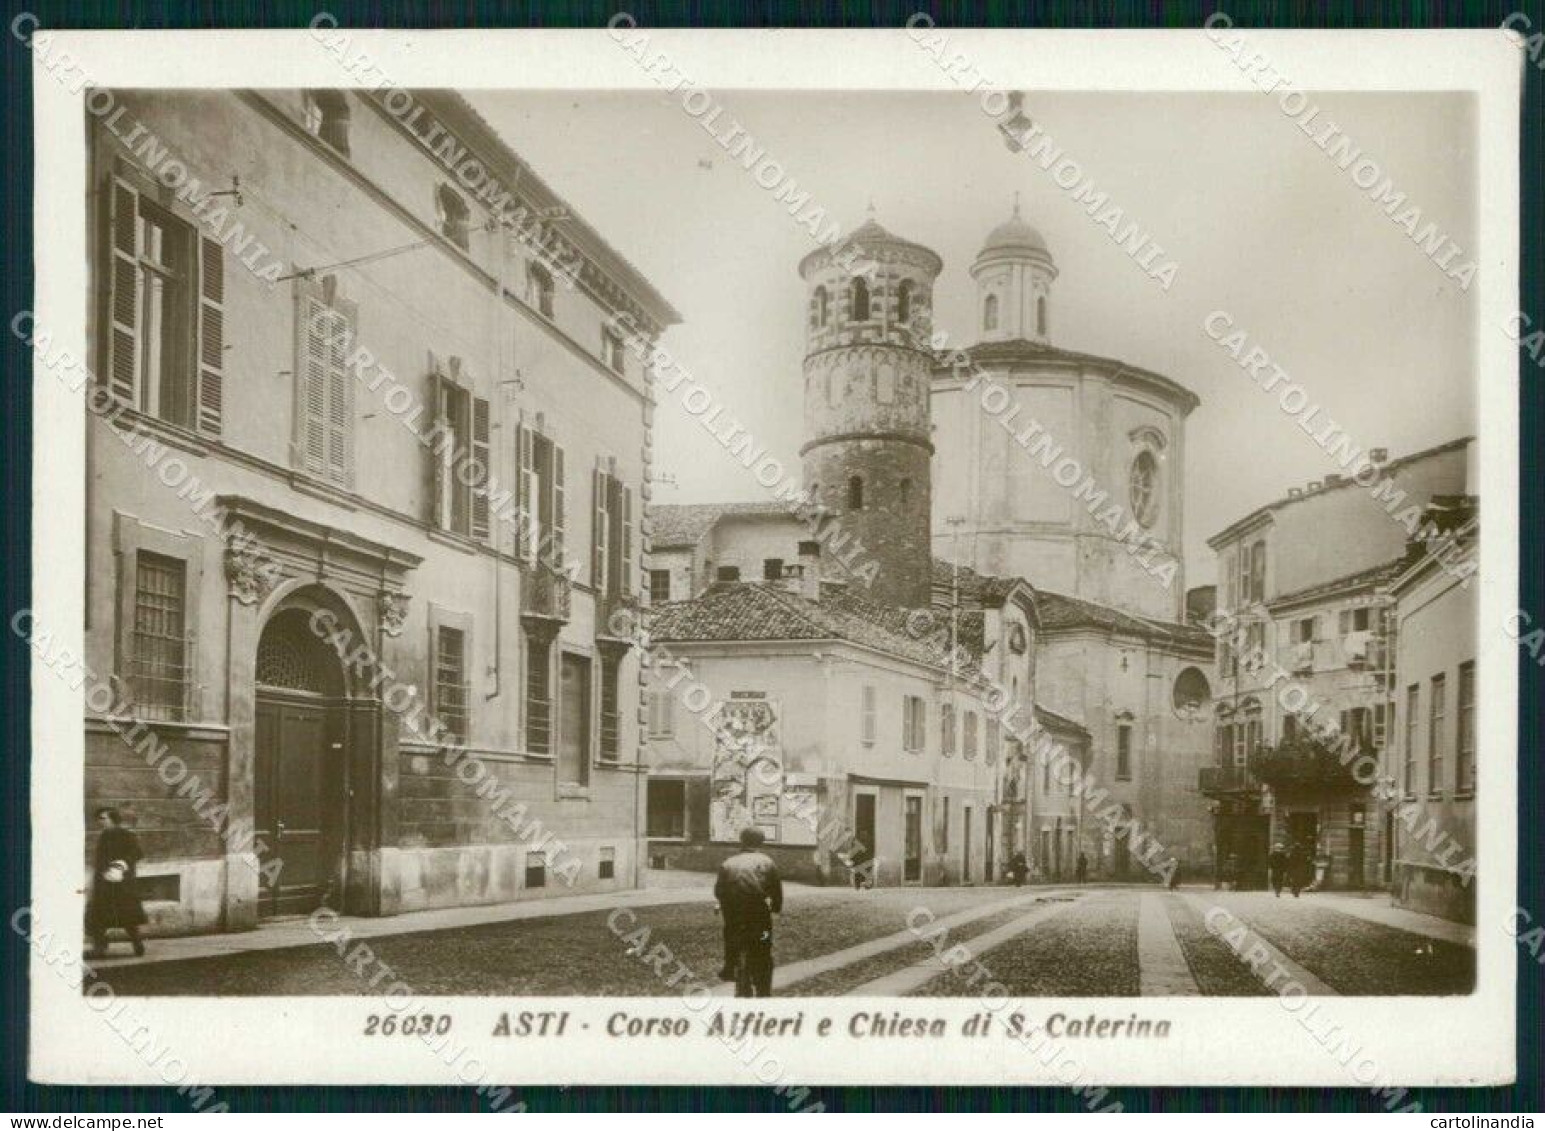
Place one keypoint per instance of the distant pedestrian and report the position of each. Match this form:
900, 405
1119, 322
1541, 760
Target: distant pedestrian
114, 885
1277, 864
1231, 872
1298, 868
750, 893
861, 867
1018, 867
1081, 869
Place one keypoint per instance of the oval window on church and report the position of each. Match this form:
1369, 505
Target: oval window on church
1144, 488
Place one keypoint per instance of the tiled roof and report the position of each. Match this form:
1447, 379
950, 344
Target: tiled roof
684, 524
1381, 574
754, 611
975, 588
1058, 610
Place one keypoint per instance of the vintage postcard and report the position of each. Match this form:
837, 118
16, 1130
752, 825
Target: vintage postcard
972, 539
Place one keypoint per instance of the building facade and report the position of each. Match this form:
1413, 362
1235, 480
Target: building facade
1306, 665
358, 508
1431, 761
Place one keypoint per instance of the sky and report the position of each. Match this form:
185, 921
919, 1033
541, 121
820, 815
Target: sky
1259, 221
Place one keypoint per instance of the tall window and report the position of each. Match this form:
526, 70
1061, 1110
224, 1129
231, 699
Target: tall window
611, 716
904, 301
452, 216
1123, 751
990, 312
1252, 730
1143, 487
1040, 315
539, 288
820, 309
165, 309
659, 586
1413, 713
451, 681
904, 495
860, 293
612, 528
327, 118
159, 666
947, 729
539, 696
914, 723
856, 493
1437, 720
540, 496
968, 738
1258, 572
868, 723
994, 738
1464, 755
460, 458
326, 392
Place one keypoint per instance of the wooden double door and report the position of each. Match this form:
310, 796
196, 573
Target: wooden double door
298, 802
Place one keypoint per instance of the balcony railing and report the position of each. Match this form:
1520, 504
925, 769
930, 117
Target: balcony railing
1225, 779
545, 593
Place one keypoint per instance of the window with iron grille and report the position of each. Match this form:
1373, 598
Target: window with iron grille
1464, 768
539, 701
451, 681
1437, 720
159, 667
611, 720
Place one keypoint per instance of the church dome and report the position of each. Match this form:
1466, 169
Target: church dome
1014, 235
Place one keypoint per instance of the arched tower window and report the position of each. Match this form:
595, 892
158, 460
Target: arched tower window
818, 316
990, 312
905, 493
856, 493
860, 301
1040, 315
1143, 486
904, 301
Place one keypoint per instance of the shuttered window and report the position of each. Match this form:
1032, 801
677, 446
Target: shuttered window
165, 313
459, 455
326, 394
541, 497
612, 526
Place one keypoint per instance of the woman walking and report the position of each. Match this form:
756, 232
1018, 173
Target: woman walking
114, 885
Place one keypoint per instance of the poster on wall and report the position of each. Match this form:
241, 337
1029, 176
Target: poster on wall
747, 767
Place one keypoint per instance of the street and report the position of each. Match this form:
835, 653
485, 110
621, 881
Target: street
1112, 941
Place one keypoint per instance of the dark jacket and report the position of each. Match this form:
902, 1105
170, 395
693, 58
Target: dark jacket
115, 904
749, 887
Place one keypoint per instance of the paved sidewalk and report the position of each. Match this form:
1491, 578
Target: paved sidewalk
1162, 970
1376, 911
280, 934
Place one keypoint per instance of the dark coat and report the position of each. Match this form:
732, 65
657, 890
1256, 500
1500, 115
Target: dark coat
748, 889
115, 904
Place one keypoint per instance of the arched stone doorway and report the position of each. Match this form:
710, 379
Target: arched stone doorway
299, 764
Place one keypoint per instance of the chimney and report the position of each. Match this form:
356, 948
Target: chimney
810, 570
1379, 455
1333, 480
1314, 485
1294, 492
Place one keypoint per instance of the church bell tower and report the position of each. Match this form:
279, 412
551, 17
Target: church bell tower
867, 370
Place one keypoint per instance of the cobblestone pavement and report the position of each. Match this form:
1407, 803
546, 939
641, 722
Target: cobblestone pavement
1118, 941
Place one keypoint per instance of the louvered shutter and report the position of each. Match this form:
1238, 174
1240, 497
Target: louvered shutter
557, 481
524, 493
625, 570
211, 335
121, 373
599, 528
479, 473
315, 362
339, 414
439, 396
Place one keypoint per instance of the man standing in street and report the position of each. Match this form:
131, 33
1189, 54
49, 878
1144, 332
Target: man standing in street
1081, 871
1277, 861
750, 893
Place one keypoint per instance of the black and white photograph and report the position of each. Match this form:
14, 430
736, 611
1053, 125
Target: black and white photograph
973, 539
